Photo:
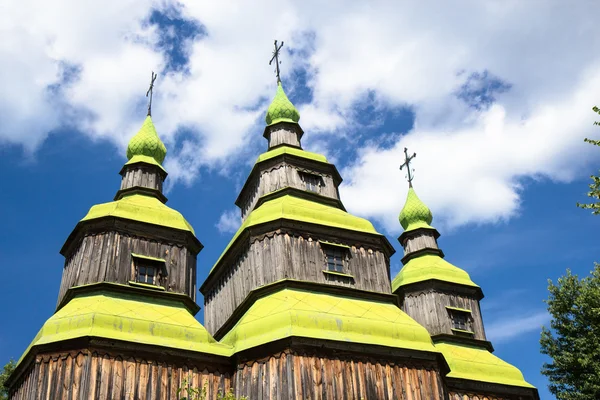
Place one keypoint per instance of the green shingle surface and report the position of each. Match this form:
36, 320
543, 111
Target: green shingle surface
281, 109
415, 214
147, 143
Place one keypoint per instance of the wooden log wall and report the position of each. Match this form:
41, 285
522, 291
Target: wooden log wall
283, 255
281, 135
423, 240
106, 257
280, 176
94, 375
474, 396
144, 176
428, 308
301, 376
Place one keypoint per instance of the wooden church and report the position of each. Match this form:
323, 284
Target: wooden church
300, 305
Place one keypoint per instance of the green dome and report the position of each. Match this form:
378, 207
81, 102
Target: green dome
281, 109
415, 213
147, 143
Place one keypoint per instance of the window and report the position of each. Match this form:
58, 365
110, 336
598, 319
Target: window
335, 258
311, 181
148, 270
147, 274
461, 319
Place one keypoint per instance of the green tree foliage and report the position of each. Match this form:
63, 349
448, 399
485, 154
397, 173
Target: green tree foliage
6, 371
187, 392
573, 343
594, 192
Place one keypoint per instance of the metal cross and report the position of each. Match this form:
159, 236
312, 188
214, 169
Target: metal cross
406, 164
276, 58
149, 92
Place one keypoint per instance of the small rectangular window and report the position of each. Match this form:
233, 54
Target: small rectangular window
335, 258
148, 270
312, 182
461, 319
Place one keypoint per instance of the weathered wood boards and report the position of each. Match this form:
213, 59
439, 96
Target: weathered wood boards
288, 256
288, 375
106, 257
94, 375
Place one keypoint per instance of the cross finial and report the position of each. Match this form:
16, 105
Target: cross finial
149, 93
276, 58
406, 164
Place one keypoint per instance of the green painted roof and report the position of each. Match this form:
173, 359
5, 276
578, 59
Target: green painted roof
429, 266
415, 214
281, 109
478, 364
134, 318
147, 143
293, 312
297, 209
144, 159
292, 151
139, 207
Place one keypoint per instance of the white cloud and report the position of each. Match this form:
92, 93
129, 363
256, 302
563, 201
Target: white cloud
400, 54
502, 330
230, 221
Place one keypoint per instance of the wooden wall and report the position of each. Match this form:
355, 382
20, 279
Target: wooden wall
428, 308
302, 376
422, 240
93, 375
280, 176
281, 135
140, 175
106, 257
474, 396
287, 256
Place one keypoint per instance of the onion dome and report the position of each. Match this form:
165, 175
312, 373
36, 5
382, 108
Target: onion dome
415, 214
281, 109
147, 143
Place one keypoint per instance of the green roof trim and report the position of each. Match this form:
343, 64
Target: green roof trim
429, 266
137, 318
291, 151
281, 109
147, 286
301, 210
140, 208
458, 309
148, 258
478, 364
145, 159
415, 214
294, 312
336, 273
333, 244
147, 143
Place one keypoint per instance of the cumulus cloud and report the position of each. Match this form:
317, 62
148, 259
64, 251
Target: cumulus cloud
499, 90
230, 221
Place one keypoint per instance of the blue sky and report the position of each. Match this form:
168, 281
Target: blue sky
495, 99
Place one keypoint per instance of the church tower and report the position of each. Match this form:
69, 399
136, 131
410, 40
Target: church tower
443, 298
299, 305
124, 325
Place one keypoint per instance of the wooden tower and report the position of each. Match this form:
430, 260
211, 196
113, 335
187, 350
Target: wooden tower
300, 304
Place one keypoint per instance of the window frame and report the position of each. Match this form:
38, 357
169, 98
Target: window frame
310, 185
340, 252
461, 320
157, 264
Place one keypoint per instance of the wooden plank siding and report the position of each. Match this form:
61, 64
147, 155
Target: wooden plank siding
280, 176
290, 375
419, 241
288, 256
141, 175
428, 308
283, 135
106, 257
92, 375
